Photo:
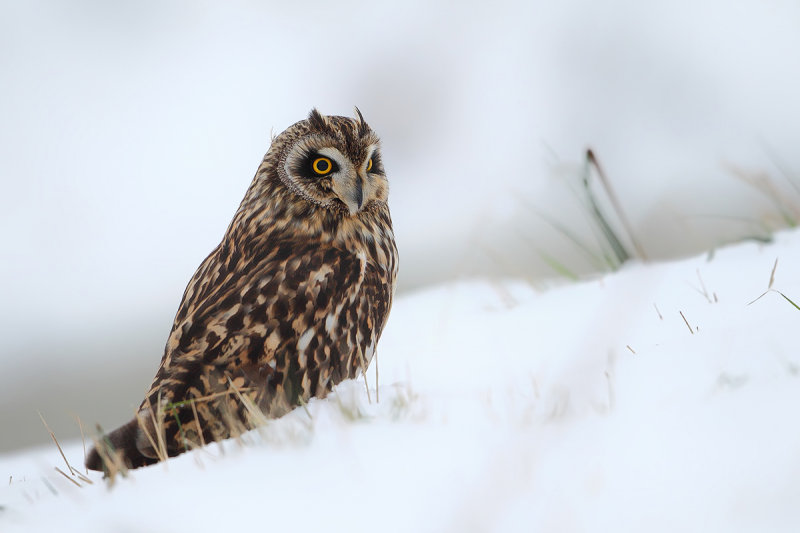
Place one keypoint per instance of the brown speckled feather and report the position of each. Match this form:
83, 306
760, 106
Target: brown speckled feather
292, 301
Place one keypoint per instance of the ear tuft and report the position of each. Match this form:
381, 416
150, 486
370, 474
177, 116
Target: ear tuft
362, 124
317, 120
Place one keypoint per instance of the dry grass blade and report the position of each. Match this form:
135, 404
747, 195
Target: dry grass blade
158, 425
199, 427
761, 181
772, 274
611, 395
84, 478
364, 373
377, 385
351, 409
256, 415
770, 289
687, 323
703, 290
53, 436
783, 169
112, 460
83, 440
759, 297
157, 441
143, 427
72, 471
67, 476
304, 405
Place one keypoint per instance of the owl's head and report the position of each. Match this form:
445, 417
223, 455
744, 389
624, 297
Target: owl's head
332, 162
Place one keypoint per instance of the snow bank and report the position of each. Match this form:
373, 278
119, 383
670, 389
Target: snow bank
653, 399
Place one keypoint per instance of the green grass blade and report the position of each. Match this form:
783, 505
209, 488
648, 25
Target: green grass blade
789, 300
620, 253
599, 262
559, 267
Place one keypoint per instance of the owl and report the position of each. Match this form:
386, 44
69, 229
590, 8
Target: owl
290, 303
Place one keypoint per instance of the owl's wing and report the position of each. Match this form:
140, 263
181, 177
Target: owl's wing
293, 323
253, 314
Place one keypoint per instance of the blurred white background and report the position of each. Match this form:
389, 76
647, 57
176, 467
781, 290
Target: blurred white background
130, 131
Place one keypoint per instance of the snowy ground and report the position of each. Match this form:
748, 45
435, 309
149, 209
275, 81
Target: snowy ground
585, 407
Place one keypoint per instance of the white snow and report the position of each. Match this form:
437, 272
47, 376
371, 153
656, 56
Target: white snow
129, 132
584, 407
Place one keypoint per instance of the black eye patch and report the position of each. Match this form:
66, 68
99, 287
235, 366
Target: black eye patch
376, 165
316, 165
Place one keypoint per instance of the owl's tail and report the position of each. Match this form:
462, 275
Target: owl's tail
119, 446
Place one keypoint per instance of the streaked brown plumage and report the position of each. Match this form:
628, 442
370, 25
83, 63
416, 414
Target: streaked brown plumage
291, 302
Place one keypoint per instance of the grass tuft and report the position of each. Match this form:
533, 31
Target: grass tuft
238, 421
73, 472
622, 253
770, 289
609, 252
788, 209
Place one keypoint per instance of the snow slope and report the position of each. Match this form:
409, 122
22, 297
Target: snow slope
586, 407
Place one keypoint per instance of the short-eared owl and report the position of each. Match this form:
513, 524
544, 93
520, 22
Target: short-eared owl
291, 302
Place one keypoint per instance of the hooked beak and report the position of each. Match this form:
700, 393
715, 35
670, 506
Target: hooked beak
350, 190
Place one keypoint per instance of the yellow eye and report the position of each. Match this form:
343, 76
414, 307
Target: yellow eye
369, 165
322, 165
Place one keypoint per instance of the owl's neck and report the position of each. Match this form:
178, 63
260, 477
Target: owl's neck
369, 231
